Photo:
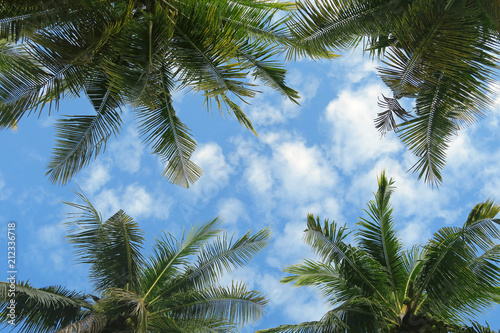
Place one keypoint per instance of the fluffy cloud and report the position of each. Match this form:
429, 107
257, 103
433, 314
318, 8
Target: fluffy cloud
216, 173
415, 232
283, 172
355, 66
303, 170
282, 252
264, 113
296, 304
354, 139
135, 200
128, 150
96, 176
232, 210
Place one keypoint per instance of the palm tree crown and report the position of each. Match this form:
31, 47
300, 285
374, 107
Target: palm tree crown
135, 53
174, 290
441, 54
379, 286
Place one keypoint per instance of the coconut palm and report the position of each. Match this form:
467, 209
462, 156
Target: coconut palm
175, 289
441, 54
377, 285
136, 54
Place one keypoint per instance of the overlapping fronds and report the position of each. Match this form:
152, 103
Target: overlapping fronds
118, 53
176, 290
112, 248
444, 54
377, 285
42, 310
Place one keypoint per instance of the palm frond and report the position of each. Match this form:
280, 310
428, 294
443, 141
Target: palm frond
270, 72
360, 269
453, 276
348, 317
112, 248
81, 138
428, 134
378, 238
223, 255
124, 310
42, 310
319, 26
91, 324
234, 304
385, 120
170, 256
171, 140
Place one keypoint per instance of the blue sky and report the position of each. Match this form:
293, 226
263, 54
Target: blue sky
322, 157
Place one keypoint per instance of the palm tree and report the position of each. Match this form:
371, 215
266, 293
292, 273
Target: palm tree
174, 290
136, 54
379, 286
441, 54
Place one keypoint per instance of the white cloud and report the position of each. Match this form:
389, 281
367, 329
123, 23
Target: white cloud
135, 200
282, 252
265, 113
128, 150
96, 176
306, 84
286, 176
297, 304
216, 172
355, 66
303, 170
232, 210
51, 234
355, 140
415, 232
259, 174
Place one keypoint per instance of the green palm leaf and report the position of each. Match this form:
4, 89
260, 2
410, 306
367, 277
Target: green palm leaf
359, 268
171, 140
223, 255
43, 309
451, 271
112, 248
375, 286
171, 254
379, 239
80, 138
235, 304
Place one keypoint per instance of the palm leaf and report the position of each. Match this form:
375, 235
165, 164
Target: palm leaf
170, 255
378, 238
360, 269
112, 248
223, 255
171, 140
428, 134
80, 138
235, 304
90, 324
452, 275
43, 309
269, 72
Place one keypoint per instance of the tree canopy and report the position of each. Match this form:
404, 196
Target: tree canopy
174, 289
137, 54
377, 285
443, 55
